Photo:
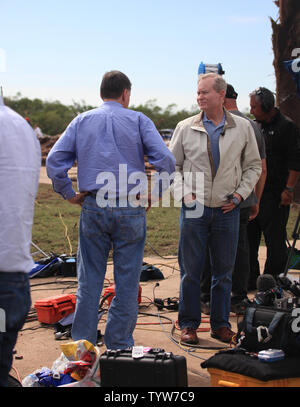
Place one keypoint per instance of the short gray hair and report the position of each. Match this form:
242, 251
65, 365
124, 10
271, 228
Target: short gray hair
265, 98
220, 83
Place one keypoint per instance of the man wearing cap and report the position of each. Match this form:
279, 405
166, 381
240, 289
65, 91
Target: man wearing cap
222, 148
249, 209
282, 139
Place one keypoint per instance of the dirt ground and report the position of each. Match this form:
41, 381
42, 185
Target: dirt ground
37, 347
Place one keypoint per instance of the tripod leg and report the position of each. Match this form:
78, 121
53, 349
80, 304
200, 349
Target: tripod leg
295, 236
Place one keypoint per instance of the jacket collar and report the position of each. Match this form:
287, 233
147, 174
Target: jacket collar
197, 123
273, 120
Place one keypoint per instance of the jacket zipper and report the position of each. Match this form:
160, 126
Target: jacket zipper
212, 165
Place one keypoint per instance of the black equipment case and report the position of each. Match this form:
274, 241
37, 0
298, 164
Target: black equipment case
155, 368
268, 328
236, 368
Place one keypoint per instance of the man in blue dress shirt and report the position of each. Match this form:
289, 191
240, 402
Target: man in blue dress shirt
109, 144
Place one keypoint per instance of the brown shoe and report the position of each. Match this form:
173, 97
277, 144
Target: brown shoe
223, 334
189, 335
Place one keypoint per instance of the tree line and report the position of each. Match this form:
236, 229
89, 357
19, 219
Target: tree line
53, 117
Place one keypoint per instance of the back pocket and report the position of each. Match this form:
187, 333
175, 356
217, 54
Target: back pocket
132, 227
92, 223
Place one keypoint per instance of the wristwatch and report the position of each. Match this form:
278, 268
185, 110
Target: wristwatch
235, 200
290, 189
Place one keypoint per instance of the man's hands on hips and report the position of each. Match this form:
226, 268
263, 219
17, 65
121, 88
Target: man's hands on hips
230, 205
78, 198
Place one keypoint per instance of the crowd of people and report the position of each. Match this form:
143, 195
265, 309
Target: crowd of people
248, 171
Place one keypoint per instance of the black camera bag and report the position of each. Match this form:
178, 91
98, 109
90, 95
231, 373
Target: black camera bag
268, 328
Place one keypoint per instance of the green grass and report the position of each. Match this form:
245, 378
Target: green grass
51, 214
55, 228
162, 231
294, 212
54, 217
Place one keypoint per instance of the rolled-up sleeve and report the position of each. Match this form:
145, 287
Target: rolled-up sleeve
155, 148
60, 159
158, 155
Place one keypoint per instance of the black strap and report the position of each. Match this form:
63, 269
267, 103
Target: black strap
273, 324
249, 319
275, 321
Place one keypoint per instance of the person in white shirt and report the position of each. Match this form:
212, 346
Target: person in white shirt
20, 161
38, 131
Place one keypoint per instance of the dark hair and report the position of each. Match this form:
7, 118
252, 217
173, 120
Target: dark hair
113, 84
266, 98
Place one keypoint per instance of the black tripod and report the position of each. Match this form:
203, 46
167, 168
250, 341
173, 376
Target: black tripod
295, 236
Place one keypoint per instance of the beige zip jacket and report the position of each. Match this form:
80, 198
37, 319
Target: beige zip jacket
240, 162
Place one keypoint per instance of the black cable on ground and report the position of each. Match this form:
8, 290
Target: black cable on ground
178, 343
54, 282
156, 252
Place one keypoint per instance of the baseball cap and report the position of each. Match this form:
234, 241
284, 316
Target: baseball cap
231, 93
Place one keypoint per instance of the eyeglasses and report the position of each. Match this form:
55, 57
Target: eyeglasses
262, 91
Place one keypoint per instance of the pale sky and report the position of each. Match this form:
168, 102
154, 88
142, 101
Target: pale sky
59, 50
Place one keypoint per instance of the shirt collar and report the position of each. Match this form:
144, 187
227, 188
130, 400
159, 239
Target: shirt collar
112, 103
197, 122
206, 120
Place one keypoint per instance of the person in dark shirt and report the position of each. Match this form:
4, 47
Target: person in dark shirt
282, 140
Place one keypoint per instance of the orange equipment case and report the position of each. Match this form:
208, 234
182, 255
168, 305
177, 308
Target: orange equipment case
237, 368
222, 378
52, 309
111, 290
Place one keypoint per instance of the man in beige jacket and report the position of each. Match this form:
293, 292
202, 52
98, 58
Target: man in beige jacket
221, 150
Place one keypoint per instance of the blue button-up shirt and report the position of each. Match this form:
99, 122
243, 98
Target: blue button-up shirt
214, 133
101, 140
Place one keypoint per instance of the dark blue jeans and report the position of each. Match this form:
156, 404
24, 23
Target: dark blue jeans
219, 233
15, 303
241, 270
102, 229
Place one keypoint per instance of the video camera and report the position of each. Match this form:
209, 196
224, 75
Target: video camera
271, 292
267, 290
